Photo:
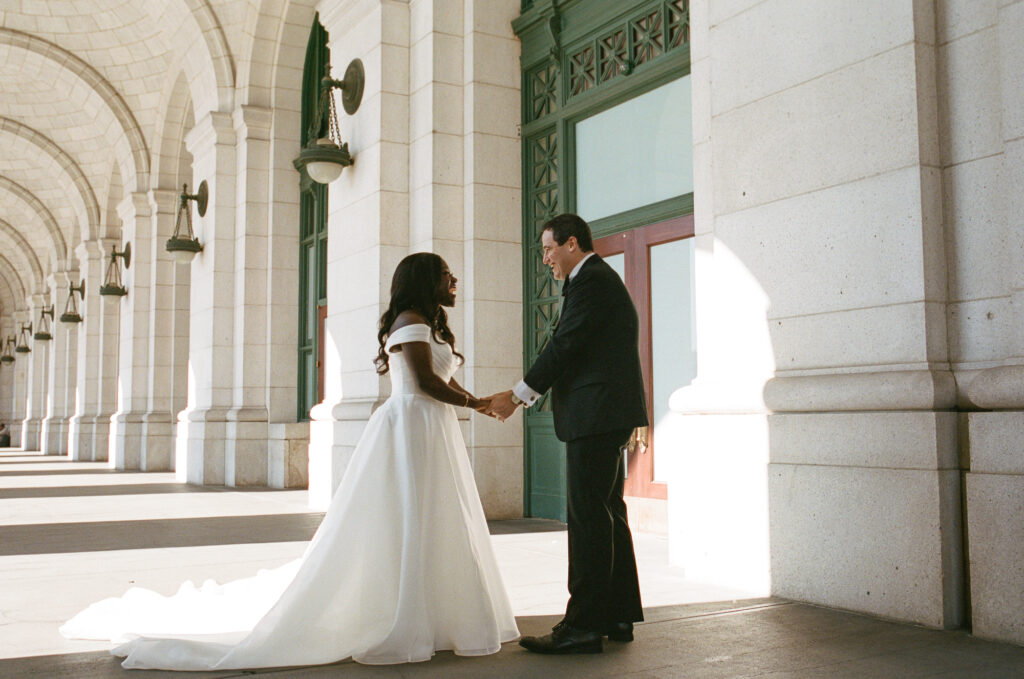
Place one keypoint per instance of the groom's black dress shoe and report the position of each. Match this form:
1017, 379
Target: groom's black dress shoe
619, 631
564, 639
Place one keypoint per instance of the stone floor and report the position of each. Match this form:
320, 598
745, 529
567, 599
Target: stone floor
72, 533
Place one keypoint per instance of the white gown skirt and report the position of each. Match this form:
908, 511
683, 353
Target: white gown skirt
400, 567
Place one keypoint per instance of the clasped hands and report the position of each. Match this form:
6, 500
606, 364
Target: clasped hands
499, 405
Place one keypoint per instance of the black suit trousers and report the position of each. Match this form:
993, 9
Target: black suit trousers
603, 584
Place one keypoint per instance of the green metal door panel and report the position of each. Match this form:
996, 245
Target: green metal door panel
578, 57
312, 233
546, 471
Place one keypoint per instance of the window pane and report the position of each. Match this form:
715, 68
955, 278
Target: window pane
617, 262
636, 153
673, 325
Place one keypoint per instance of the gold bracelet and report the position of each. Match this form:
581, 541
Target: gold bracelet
466, 404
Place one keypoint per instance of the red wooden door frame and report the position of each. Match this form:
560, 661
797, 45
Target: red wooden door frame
635, 245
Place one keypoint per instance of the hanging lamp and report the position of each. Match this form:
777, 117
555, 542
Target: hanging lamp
7, 356
43, 328
184, 245
113, 289
22, 346
71, 314
325, 154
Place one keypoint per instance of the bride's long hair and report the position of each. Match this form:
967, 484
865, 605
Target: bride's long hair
416, 286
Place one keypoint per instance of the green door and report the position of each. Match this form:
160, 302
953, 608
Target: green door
312, 239
579, 59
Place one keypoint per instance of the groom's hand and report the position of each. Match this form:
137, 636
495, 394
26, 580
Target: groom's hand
502, 406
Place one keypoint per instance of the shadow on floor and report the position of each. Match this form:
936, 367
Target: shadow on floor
721, 640
62, 472
96, 536
90, 491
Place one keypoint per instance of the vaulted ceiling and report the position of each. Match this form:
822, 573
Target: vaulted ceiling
95, 97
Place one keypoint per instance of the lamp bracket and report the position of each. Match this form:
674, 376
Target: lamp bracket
351, 86
201, 197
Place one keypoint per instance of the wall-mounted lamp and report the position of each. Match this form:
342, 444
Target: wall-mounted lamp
325, 155
22, 346
43, 329
184, 246
71, 314
7, 356
113, 289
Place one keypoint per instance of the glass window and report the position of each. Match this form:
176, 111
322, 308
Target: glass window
673, 326
637, 153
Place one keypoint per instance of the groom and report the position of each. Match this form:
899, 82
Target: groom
592, 366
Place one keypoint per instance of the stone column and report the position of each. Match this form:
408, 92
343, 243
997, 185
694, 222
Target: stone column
829, 271
368, 217
490, 290
246, 443
157, 430
7, 375
202, 426
126, 424
987, 123
61, 371
35, 378
19, 391
89, 426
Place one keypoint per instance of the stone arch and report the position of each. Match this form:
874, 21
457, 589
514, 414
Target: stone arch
278, 31
130, 145
16, 294
218, 52
175, 119
27, 252
72, 178
35, 206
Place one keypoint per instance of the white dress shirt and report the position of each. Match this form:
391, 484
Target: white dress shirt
522, 390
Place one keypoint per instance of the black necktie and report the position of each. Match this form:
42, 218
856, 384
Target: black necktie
565, 286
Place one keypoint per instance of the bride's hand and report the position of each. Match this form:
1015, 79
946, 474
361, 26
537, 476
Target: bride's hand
483, 405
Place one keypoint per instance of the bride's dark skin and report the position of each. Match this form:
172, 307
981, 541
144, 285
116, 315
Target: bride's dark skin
418, 357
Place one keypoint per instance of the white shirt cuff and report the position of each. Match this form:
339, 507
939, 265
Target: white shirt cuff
527, 395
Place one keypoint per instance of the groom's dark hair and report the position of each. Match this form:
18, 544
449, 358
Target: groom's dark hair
565, 225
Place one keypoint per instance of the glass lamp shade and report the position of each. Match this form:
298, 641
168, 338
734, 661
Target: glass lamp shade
324, 160
324, 172
184, 256
183, 249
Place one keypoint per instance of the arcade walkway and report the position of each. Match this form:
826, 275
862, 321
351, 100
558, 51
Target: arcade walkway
72, 532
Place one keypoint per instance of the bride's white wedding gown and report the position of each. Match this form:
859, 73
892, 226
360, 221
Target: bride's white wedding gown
400, 567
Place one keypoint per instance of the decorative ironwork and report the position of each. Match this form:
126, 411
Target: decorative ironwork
26, 331
658, 29
543, 91
113, 286
612, 56
7, 356
648, 37
183, 244
71, 314
582, 71
677, 17
544, 294
43, 328
544, 179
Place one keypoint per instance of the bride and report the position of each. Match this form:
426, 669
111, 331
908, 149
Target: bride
401, 565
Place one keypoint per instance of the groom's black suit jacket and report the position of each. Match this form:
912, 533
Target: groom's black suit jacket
592, 364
